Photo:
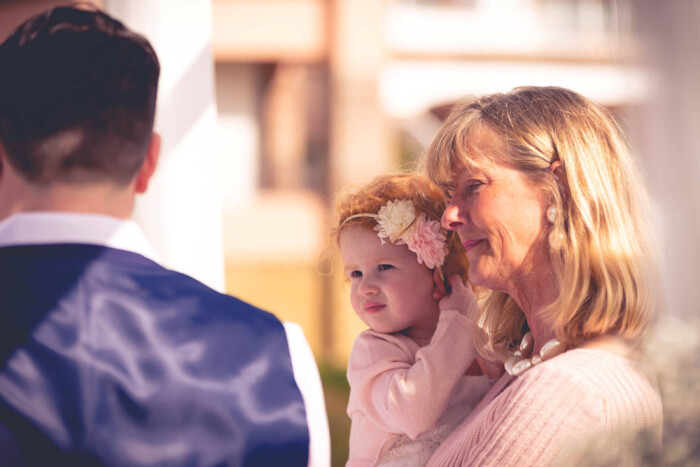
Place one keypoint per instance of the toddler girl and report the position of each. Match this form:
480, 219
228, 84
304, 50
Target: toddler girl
413, 375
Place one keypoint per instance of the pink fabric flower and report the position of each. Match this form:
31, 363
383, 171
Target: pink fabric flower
427, 242
397, 221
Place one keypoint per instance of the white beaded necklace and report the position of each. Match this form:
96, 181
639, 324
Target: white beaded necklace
520, 361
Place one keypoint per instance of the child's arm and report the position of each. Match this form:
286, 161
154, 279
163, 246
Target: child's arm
403, 395
462, 300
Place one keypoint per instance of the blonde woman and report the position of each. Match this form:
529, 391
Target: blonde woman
551, 211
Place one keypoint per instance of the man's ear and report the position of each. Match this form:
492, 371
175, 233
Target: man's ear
149, 164
439, 290
3, 159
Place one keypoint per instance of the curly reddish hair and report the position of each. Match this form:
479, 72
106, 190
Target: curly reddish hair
425, 196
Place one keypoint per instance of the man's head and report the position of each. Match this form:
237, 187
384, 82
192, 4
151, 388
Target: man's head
77, 98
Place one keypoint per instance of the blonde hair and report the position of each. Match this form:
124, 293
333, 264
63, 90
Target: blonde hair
601, 243
426, 197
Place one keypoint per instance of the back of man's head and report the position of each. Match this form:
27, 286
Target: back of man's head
77, 98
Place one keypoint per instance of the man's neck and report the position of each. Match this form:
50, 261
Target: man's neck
105, 199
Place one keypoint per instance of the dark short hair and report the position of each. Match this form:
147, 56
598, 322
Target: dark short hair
77, 97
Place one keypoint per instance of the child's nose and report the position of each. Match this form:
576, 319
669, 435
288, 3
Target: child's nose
368, 287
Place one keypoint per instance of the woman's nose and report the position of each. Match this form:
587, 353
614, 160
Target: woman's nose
451, 218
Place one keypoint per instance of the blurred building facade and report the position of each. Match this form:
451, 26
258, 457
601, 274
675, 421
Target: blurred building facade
317, 95
269, 108
312, 96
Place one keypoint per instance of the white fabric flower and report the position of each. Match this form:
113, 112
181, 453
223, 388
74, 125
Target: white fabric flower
394, 220
397, 221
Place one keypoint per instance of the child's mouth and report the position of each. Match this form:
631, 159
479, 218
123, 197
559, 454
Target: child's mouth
373, 307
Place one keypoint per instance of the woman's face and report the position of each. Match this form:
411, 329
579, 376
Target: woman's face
500, 219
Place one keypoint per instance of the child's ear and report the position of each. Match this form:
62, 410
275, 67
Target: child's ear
439, 290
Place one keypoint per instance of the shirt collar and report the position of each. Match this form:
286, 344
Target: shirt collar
43, 228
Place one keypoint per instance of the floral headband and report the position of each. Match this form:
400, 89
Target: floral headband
398, 222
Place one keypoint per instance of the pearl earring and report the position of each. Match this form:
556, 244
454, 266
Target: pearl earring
552, 214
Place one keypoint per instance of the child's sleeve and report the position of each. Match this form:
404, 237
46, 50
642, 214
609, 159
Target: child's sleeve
403, 395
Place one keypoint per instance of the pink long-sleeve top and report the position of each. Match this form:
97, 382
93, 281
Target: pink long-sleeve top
399, 388
584, 402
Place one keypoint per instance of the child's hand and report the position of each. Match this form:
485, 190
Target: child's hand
460, 299
492, 369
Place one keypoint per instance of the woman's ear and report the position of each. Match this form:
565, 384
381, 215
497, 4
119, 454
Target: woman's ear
439, 290
557, 169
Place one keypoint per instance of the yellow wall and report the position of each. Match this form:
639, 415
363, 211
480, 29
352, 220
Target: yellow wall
293, 292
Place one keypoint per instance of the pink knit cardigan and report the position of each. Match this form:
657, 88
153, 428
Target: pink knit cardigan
399, 387
584, 402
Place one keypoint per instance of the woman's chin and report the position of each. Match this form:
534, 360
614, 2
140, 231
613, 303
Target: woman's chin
475, 277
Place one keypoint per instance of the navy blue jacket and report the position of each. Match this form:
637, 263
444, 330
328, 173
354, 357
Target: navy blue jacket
109, 358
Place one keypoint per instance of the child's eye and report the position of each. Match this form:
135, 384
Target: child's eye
384, 267
353, 274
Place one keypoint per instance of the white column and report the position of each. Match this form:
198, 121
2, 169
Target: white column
238, 133
360, 145
181, 213
360, 136
668, 133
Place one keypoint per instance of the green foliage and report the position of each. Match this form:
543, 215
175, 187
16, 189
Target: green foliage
337, 392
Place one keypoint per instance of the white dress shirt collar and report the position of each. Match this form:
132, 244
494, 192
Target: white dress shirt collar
45, 228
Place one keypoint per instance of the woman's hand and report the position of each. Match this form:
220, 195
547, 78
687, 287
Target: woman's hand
461, 298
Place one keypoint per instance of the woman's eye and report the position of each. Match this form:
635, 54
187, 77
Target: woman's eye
384, 267
473, 185
354, 274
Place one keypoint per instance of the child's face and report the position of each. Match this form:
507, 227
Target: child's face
389, 290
